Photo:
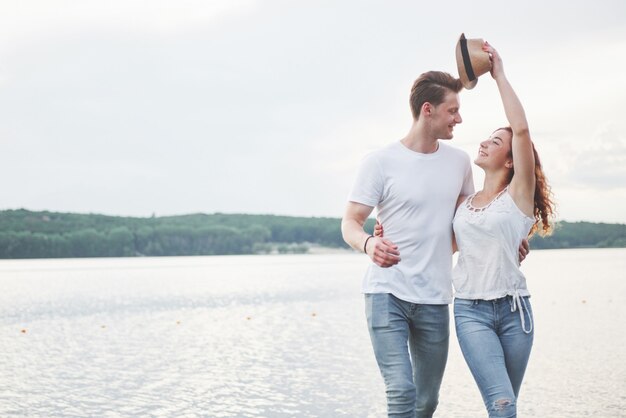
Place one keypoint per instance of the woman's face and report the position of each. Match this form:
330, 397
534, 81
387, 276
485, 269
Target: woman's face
495, 152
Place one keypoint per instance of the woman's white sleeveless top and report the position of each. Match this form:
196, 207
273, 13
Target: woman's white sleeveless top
488, 239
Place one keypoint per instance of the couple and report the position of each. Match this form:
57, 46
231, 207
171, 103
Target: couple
423, 191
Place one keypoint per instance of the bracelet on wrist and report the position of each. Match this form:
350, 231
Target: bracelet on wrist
365, 244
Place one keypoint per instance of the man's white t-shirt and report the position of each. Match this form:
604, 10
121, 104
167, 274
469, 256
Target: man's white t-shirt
415, 195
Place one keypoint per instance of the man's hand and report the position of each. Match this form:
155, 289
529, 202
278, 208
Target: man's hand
389, 255
524, 249
378, 229
383, 253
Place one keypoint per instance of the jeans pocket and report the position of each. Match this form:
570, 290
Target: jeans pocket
464, 302
377, 309
463, 307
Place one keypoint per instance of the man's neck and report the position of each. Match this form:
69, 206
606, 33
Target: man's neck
419, 140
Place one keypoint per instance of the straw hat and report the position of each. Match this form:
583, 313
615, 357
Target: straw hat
471, 60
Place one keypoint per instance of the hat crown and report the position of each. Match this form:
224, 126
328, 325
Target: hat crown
471, 60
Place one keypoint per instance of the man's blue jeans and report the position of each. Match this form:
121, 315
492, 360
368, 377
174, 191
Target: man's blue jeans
496, 349
411, 347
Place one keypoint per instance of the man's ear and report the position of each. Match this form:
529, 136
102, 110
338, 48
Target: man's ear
509, 164
427, 108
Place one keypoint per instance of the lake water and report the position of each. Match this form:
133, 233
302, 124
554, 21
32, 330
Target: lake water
276, 336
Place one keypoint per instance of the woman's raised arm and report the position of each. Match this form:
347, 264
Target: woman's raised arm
523, 183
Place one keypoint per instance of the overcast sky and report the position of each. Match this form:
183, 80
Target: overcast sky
175, 107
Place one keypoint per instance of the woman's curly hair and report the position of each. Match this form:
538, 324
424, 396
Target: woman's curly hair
544, 206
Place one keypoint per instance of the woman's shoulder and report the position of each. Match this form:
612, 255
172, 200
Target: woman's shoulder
522, 200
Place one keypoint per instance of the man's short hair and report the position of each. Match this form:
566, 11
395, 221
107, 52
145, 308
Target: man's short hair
432, 87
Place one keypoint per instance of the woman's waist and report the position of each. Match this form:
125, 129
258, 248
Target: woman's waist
492, 295
494, 279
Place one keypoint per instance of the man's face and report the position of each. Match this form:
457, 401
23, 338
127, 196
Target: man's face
445, 116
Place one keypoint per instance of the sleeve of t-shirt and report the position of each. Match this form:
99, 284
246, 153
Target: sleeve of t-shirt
368, 187
468, 180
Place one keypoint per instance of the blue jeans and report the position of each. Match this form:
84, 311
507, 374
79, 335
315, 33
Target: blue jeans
410, 343
496, 349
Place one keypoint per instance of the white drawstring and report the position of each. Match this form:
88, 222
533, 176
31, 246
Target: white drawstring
516, 298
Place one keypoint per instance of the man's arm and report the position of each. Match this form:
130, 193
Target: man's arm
382, 252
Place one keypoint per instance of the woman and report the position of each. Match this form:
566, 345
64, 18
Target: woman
492, 311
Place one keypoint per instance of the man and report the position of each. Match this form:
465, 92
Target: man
415, 185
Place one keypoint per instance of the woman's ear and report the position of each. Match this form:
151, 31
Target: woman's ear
509, 164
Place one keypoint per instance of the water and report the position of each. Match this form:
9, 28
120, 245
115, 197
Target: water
275, 336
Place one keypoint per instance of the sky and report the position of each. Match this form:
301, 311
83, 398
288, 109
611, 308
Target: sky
146, 107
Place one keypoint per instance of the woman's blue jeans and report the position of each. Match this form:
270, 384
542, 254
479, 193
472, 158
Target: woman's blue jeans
411, 347
496, 349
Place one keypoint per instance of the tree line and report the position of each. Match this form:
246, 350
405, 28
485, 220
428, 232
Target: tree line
28, 234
